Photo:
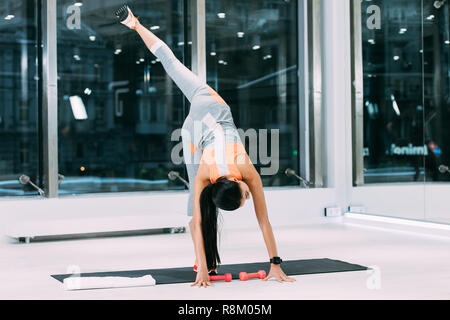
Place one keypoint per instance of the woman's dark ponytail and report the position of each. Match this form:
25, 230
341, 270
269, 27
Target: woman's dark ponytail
226, 195
209, 214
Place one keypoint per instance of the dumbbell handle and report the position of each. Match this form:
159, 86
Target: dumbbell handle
227, 277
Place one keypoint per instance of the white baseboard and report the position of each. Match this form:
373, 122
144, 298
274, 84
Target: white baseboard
397, 224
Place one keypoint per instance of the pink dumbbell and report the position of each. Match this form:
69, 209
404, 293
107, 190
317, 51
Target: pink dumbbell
244, 276
227, 277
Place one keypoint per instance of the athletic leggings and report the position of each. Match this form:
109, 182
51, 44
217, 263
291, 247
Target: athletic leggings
209, 123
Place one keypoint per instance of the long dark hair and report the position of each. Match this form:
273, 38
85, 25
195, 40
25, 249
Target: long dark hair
226, 195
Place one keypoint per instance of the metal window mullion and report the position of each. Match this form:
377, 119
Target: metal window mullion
50, 98
303, 84
357, 94
315, 91
198, 38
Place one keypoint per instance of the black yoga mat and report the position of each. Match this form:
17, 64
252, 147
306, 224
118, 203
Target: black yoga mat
185, 275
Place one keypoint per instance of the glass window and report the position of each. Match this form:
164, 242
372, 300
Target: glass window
117, 106
406, 49
394, 145
436, 38
19, 149
252, 57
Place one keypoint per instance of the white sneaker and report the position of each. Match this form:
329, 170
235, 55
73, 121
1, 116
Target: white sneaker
126, 17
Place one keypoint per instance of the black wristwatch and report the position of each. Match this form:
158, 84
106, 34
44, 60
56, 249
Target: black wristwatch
276, 260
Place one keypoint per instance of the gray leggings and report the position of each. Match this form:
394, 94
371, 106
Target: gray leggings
209, 120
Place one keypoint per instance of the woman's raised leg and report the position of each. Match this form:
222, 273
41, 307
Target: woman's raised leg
185, 79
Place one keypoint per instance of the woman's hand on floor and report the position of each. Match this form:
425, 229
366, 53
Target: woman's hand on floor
202, 280
277, 273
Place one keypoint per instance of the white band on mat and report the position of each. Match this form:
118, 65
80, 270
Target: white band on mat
83, 283
156, 46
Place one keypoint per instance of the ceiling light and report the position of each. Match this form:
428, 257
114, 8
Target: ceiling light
395, 105
78, 108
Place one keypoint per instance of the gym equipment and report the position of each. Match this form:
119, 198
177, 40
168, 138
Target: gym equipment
244, 276
227, 277
187, 275
100, 227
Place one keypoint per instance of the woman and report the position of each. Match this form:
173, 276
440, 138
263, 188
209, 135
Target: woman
220, 172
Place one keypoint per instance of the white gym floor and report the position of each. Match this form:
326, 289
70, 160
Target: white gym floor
410, 265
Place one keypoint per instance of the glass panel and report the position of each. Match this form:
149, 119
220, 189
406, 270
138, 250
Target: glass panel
436, 22
117, 106
437, 89
252, 57
19, 149
394, 146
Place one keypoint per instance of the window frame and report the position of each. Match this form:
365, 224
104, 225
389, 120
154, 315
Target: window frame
357, 94
310, 102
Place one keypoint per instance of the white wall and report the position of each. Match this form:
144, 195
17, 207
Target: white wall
337, 96
396, 200
100, 213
